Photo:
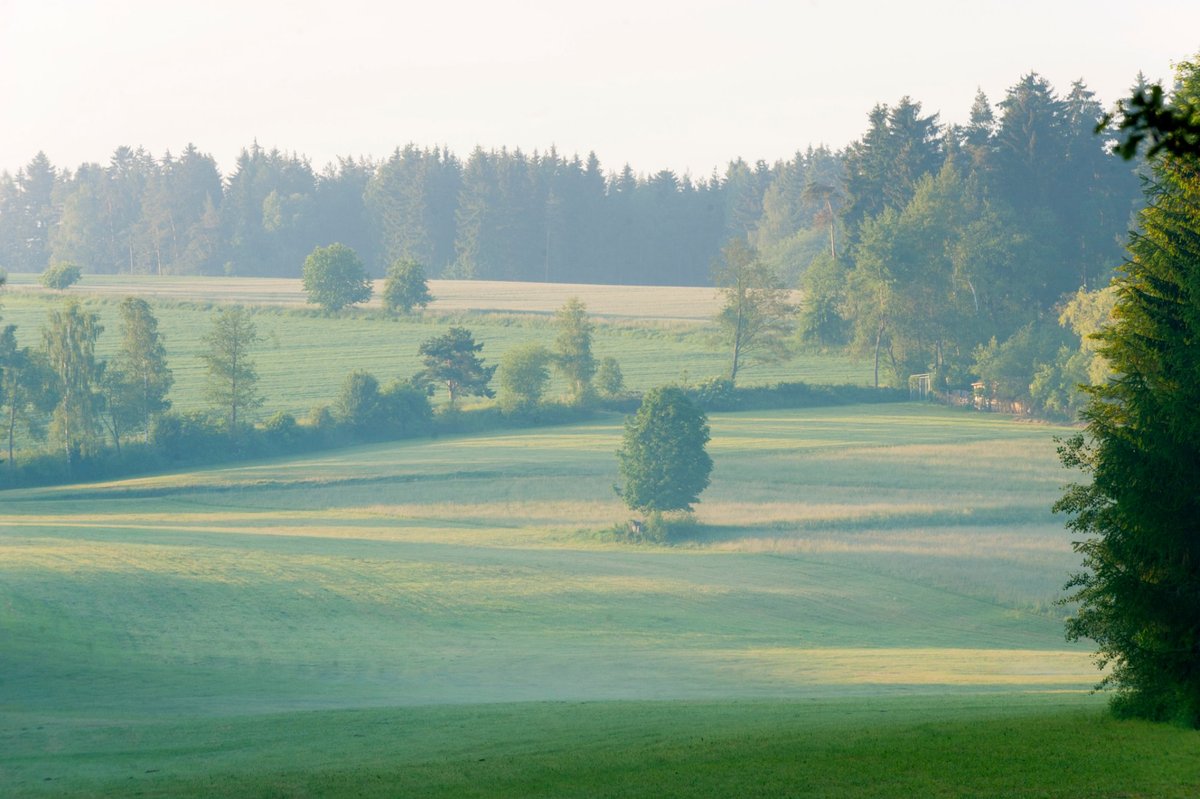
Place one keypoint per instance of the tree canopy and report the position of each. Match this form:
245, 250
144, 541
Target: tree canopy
573, 348
452, 359
405, 287
662, 458
756, 316
335, 277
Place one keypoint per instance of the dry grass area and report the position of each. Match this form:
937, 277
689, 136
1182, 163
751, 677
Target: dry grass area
672, 303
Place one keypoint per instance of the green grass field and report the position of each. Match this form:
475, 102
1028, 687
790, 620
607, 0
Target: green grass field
867, 610
304, 357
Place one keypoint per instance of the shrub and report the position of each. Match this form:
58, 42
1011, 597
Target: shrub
61, 276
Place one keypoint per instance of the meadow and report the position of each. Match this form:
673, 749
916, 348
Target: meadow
867, 608
657, 334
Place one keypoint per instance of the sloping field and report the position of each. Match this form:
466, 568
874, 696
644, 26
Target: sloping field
663, 303
845, 551
194, 622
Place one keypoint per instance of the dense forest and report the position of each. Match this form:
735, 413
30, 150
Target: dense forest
511, 215
966, 251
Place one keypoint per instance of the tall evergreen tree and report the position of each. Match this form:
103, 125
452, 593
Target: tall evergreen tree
1139, 593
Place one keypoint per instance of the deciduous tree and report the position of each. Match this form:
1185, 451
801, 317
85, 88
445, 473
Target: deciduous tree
662, 459
232, 386
524, 373
61, 276
573, 348
335, 277
28, 389
70, 346
406, 287
756, 316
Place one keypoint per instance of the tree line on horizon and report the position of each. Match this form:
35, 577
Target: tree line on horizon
508, 215
971, 252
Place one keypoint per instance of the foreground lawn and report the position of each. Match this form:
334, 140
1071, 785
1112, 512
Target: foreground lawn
1016, 745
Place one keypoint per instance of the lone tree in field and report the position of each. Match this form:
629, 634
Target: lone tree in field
453, 360
406, 287
573, 349
756, 316
335, 277
663, 464
61, 276
232, 379
1139, 593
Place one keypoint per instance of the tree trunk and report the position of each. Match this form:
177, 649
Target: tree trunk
12, 426
878, 339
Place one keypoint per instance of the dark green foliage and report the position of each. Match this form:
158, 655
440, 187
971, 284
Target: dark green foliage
61, 276
1166, 126
188, 437
1007, 368
283, 432
357, 406
137, 380
662, 460
1139, 593
406, 287
715, 394
334, 277
29, 389
573, 349
402, 409
452, 359
820, 322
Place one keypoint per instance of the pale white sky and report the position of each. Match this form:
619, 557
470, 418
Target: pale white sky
679, 84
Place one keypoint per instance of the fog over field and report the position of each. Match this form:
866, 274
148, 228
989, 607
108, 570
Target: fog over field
672, 399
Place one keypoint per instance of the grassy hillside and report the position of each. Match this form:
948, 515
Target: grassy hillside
872, 585
304, 356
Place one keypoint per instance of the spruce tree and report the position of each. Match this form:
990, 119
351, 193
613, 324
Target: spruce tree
1139, 592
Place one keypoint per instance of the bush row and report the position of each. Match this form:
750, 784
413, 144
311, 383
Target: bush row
366, 414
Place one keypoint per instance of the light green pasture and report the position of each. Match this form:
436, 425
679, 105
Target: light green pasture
860, 549
304, 357
858, 554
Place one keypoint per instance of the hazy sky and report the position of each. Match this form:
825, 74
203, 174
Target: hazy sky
683, 85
